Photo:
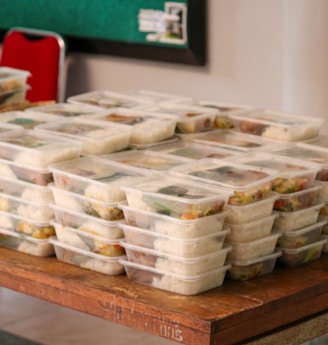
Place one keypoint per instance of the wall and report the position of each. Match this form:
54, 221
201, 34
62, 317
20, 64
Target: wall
269, 53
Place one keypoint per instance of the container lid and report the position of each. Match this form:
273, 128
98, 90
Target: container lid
226, 174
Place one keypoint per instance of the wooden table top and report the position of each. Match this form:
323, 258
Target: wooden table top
236, 312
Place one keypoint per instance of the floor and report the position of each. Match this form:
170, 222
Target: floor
50, 324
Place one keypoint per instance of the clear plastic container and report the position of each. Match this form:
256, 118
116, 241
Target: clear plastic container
26, 226
147, 160
251, 231
278, 125
25, 208
27, 120
25, 173
233, 140
180, 284
176, 264
98, 137
26, 244
247, 183
90, 224
36, 148
294, 220
254, 249
92, 207
12, 78
193, 150
66, 110
88, 241
154, 97
241, 214
178, 228
292, 174
308, 153
176, 197
299, 256
85, 259
297, 200
26, 190
96, 178
107, 99
245, 270
6, 127
14, 96
146, 127
186, 248
298, 238
190, 119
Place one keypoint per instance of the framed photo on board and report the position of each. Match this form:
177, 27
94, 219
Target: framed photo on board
168, 31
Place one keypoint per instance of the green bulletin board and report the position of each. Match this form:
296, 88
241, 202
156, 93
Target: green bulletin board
171, 31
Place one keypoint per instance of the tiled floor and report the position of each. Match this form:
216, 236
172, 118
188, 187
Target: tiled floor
51, 324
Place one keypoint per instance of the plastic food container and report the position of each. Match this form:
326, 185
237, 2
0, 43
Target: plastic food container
254, 249
308, 153
13, 96
190, 119
26, 190
176, 264
301, 237
278, 125
232, 140
297, 200
24, 208
294, 220
66, 110
154, 97
146, 127
292, 174
98, 137
12, 78
95, 178
245, 270
107, 99
187, 248
92, 207
25, 173
26, 244
36, 148
88, 241
6, 127
251, 231
90, 224
193, 150
147, 160
241, 214
85, 259
180, 284
170, 226
27, 120
26, 226
247, 183
176, 197
299, 256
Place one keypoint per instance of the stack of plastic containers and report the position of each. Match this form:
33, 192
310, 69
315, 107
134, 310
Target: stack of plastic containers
87, 192
174, 234
13, 85
249, 210
309, 152
25, 198
297, 205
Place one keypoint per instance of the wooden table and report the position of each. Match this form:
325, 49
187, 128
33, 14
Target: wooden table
289, 306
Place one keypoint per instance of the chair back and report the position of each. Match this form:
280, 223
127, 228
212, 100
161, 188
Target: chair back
43, 54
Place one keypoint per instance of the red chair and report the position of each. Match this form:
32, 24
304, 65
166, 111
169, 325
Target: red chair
43, 54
